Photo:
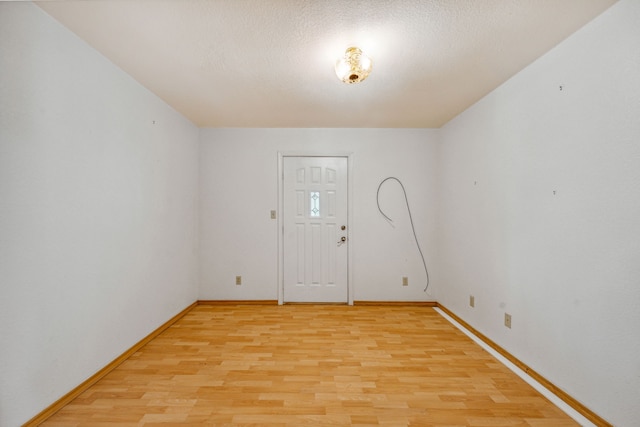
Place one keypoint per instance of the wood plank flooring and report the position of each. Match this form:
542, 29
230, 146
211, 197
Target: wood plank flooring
303, 365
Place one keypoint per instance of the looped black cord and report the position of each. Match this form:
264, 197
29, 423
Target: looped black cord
410, 220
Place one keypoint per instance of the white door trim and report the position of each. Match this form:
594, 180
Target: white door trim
349, 157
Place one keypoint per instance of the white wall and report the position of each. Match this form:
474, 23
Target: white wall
239, 187
98, 211
565, 265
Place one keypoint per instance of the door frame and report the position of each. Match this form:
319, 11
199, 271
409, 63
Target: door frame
349, 157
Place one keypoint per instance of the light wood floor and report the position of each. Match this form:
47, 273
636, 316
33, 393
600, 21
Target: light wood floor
322, 365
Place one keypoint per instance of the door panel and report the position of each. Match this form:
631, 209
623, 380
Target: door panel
315, 212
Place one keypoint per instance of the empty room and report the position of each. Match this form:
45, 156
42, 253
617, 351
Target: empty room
296, 212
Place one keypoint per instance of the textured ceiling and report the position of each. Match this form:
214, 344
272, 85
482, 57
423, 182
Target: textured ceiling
269, 63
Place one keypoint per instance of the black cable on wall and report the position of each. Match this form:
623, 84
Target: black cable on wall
406, 199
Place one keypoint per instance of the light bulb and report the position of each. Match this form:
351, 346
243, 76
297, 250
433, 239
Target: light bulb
354, 67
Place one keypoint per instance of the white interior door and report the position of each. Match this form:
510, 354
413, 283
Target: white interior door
315, 229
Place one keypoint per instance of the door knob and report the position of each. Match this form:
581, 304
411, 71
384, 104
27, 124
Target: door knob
342, 240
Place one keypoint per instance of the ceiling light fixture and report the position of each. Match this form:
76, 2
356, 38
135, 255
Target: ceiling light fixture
354, 66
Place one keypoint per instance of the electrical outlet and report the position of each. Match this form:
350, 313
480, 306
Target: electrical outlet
472, 301
238, 280
405, 281
273, 214
507, 320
